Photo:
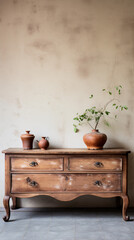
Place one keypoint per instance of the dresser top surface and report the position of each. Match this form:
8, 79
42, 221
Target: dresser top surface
66, 151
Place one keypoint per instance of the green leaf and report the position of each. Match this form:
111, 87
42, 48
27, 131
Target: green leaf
121, 108
115, 116
74, 125
104, 89
76, 118
110, 93
117, 88
116, 107
125, 107
97, 119
120, 86
119, 91
75, 130
88, 110
91, 96
106, 123
107, 113
114, 104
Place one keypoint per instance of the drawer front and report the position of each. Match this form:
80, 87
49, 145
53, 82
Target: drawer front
97, 164
45, 164
94, 182
26, 183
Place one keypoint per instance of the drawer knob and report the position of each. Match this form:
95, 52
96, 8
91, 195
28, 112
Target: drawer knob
98, 183
33, 164
98, 164
31, 183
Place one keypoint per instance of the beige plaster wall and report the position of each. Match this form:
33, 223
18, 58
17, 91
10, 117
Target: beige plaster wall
53, 55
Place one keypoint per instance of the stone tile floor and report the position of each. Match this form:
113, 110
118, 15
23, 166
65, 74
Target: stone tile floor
67, 224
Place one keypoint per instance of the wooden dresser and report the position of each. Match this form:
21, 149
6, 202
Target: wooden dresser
65, 174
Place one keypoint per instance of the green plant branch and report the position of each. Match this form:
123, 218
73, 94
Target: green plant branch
94, 114
90, 125
104, 109
113, 99
98, 121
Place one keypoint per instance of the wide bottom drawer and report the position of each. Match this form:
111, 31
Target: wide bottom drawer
25, 183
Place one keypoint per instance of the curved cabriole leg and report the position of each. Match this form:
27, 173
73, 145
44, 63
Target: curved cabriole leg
125, 206
7, 208
14, 206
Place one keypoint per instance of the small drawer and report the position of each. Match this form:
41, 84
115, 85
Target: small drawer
95, 164
94, 182
37, 164
27, 183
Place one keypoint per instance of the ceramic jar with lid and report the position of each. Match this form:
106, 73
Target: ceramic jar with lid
27, 140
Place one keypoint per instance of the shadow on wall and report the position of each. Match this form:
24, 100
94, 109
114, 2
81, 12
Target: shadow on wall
113, 143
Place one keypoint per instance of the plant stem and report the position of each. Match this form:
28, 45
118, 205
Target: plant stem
113, 99
98, 121
90, 125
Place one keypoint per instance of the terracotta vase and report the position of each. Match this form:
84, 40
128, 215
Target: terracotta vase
43, 143
27, 140
95, 139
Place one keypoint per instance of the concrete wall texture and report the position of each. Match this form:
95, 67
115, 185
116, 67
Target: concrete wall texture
53, 55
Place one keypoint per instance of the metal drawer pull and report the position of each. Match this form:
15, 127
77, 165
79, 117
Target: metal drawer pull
33, 164
99, 183
31, 183
98, 164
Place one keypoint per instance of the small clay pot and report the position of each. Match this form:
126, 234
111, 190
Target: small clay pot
43, 143
95, 139
27, 140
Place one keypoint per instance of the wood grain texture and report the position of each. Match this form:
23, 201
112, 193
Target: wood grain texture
7, 208
14, 203
96, 163
68, 195
125, 206
66, 151
37, 164
66, 182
